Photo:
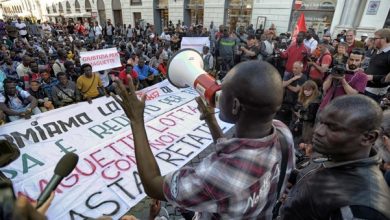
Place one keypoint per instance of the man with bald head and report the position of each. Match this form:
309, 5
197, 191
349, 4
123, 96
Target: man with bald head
240, 179
349, 185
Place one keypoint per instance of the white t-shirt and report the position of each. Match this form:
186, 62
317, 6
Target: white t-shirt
22, 70
165, 36
15, 103
98, 30
19, 26
46, 28
310, 44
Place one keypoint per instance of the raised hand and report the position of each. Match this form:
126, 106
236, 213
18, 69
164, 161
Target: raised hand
133, 107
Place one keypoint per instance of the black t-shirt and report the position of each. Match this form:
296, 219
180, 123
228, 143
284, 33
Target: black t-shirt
245, 57
291, 97
70, 29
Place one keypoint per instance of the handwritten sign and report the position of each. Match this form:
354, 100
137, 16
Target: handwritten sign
105, 180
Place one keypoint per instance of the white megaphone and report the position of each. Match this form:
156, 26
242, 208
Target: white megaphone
185, 69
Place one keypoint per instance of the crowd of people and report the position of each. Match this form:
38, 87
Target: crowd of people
331, 98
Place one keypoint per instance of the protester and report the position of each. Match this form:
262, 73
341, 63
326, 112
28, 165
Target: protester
16, 103
295, 52
65, 92
44, 102
146, 74
346, 132
208, 59
309, 41
225, 50
89, 84
258, 139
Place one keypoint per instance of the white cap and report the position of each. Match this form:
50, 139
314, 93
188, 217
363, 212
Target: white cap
364, 35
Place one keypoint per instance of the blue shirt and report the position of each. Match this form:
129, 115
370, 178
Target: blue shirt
48, 87
143, 72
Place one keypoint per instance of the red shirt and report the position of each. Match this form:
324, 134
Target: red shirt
123, 76
162, 68
295, 53
325, 59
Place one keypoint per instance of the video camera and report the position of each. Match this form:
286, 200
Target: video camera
338, 70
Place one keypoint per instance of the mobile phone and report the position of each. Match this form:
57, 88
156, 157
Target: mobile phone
7, 199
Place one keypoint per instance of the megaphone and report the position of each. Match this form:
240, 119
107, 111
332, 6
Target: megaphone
185, 69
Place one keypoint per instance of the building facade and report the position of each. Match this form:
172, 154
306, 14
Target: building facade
365, 16
21, 8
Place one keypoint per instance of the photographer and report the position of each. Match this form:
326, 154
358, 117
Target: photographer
319, 67
345, 80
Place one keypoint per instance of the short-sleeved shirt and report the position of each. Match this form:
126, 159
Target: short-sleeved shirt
238, 181
15, 103
291, 97
357, 81
325, 59
88, 87
19, 26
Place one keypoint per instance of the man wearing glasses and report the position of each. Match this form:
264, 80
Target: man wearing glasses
378, 71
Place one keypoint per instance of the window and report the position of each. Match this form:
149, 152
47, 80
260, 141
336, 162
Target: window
135, 2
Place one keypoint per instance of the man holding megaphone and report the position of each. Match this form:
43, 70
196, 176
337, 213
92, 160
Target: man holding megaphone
243, 178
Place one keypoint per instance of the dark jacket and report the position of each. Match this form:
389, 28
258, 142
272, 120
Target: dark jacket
321, 192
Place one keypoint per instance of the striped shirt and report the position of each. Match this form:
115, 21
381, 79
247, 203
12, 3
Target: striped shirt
238, 181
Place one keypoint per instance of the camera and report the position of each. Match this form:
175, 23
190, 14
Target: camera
338, 70
308, 57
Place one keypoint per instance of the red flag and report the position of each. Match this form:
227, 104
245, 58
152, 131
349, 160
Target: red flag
300, 26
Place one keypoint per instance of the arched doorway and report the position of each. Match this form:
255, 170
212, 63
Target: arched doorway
88, 7
117, 12
102, 12
77, 6
68, 9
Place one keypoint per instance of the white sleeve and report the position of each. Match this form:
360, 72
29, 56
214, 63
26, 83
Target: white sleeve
2, 98
24, 94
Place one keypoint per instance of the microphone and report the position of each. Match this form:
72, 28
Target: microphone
64, 167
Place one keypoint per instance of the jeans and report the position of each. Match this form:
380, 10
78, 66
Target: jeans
35, 111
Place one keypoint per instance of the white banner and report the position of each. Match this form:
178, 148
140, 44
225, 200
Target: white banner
101, 59
106, 180
196, 43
